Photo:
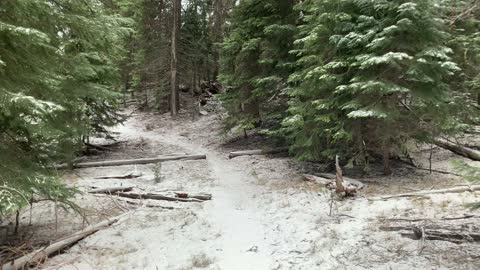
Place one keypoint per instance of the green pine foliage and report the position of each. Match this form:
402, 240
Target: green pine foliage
58, 74
370, 75
256, 63
463, 20
471, 174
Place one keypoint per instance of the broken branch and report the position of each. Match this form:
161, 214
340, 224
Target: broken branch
41, 254
258, 152
430, 192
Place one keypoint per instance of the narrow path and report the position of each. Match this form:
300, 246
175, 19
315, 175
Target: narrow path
234, 211
261, 217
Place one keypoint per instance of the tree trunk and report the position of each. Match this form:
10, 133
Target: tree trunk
456, 230
339, 185
109, 163
110, 190
387, 170
459, 150
258, 152
174, 96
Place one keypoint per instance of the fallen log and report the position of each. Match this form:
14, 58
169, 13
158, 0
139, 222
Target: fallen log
110, 190
131, 161
131, 175
41, 254
148, 205
153, 196
451, 230
430, 192
458, 149
258, 152
200, 196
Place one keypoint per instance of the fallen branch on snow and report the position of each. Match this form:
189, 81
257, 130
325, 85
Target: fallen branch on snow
148, 205
131, 161
173, 197
41, 254
131, 175
429, 192
257, 152
153, 196
110, 190
455, 230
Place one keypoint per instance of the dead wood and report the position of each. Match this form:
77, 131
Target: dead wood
319, 180
456, 230
430, 192
331, 184
458, 149
340, 187
41, 254
148, 205
110, 190
176, 197
131, 175
131, 161
351, 181
258, 152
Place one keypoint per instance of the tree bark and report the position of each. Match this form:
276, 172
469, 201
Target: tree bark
174, 95
110, 190
110, 163
455, 230
339, 187
258, 152
459, 150
160, 197
41, 254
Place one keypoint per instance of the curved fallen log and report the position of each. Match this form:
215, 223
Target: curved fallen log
258, 152
131, 161
458, 149
41, 254
429, 192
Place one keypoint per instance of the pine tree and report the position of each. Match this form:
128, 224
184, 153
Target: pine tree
370, 75
58, 73
463, 21
256, 63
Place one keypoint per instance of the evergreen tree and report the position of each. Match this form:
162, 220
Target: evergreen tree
58, 73
256, 63
463, 21
370, 75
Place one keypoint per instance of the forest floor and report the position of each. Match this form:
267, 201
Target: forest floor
262, 215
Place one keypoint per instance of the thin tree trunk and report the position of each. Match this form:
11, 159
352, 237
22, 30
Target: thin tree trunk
387, 170
174, 96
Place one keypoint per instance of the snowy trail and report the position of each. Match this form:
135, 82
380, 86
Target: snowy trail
234, 212
261, 217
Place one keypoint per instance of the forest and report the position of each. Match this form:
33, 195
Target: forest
239, 134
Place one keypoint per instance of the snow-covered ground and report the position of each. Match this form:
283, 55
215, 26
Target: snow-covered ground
263, 216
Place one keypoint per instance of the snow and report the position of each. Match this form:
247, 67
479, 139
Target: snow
262, 215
